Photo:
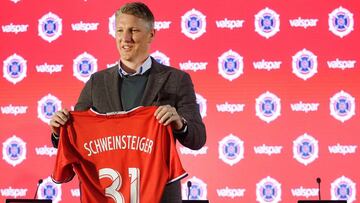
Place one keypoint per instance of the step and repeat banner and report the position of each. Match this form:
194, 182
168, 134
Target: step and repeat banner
277, 84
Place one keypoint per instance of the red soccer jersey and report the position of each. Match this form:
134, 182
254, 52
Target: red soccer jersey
118, 157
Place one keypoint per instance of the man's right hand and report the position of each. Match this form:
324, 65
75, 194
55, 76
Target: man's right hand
58, 119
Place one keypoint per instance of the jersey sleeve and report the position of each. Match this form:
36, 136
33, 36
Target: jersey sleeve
66, 156
176, 170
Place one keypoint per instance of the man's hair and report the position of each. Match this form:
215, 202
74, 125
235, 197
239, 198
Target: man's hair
139, 10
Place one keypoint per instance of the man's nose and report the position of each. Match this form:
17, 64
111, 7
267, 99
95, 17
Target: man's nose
127, 36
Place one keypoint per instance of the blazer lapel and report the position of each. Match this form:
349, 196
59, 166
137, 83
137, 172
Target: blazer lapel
157, 77
112, 82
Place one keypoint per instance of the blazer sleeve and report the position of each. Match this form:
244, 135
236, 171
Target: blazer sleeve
186, 106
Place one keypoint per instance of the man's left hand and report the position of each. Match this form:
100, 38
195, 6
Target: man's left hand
167, 114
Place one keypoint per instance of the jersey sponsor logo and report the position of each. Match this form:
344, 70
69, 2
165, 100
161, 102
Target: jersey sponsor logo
305, 149
304, 64
193, 24
231, 192
162, 25
268, 107
268, 190
267, 23
305, 23
230, 108
46, 151
201, 101
111, 65
15, 28
14, 110
49, 68
229, 24
187, 151
341, 64
343, 188
342, 149
47, 106
304, 107
86, 27
14, 68
84, 65
269, 150
49, 190
161, 58
267, 65
13, 192
50, 27
112, 26
342, 106
194, 66
198, 189
341, 22
304, 192
231, 149
230, 65
14, 150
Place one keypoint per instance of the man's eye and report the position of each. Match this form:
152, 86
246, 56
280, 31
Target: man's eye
135, 30
119, 30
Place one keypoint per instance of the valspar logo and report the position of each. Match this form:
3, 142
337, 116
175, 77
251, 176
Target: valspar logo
230, 65
75, 192
230, 108
305, 149
305, 23
343, 188
304, 107
14, 110
50, 27
193, 24
267, 65
13, 192
304, 192
112, 26
342, 106
268, 190
15, 68
341, 64
162, 25
342, 149
85, 27
14, 150
304, 64
49, 68
84, 65
229, 24
268, 107
161, 58
193, 66
187, 151
47, 106
341, 22
46, 151
15, 28
267, 23
231, 192
231, 149
269, 150
197, 190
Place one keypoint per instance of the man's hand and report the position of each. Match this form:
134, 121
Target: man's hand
58, 119
167, 114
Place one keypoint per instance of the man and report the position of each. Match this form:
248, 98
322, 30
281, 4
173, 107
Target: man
139, 80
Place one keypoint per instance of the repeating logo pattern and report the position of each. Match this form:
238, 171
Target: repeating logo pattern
193, 24
268, 107
305, 149
50, 27
341, 22
198, 189
14, 150
343, 188
201, 101
304, 64
49, 190
267, 23
230, 65
47, 106
161, 58
268, 190
84, 65
342, 106
231, 149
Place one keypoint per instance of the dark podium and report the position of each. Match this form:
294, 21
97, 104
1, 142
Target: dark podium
195, 201
28, 201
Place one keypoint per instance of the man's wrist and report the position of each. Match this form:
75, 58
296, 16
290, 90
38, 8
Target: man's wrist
184, 128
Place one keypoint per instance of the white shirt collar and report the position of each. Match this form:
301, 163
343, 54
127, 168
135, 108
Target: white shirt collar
140, 71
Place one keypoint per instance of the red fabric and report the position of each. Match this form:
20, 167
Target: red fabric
127, 140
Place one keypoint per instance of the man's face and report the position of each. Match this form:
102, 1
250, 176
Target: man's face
133, 38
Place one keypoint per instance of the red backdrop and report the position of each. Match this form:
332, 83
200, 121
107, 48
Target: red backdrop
277, 83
